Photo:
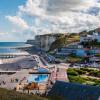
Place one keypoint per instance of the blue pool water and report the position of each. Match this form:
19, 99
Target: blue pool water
37, 78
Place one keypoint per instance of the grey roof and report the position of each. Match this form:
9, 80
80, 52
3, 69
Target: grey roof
24, 63
10, 66
42, 70
71, 91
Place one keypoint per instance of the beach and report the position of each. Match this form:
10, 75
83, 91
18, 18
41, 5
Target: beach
1, 62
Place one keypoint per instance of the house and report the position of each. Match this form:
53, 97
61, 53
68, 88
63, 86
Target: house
96, 35
85, 38
95, 59
83, 52
80, 53
65, 51
90, 37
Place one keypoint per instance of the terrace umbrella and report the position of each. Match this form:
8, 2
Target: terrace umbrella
31, 86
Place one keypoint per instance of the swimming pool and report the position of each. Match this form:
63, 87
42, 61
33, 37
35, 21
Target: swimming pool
37, 78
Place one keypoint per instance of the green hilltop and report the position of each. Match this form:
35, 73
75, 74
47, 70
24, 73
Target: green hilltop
66, 39
13, 95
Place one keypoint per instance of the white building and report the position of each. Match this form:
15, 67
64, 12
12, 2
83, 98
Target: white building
86, 38
96, 35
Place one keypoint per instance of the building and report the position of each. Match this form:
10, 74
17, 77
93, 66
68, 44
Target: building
44, 41
65, 51
86, 38
90, 37
80, 53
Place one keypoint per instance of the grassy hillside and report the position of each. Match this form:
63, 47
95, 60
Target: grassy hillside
64, 40
13, 95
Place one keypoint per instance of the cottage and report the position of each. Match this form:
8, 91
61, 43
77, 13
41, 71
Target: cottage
90, 37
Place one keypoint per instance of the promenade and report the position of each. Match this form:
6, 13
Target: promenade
21, 68
59, 73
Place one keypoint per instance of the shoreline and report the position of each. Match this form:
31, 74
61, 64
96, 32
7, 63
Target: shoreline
11, 60
1, 62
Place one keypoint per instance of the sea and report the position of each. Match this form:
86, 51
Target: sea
12, 44
11, 47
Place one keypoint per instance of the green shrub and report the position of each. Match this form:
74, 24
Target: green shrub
94, 73
72, 72
98, 55
75, 76
80, 72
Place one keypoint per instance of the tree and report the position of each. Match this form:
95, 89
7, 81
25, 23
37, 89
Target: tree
59, 42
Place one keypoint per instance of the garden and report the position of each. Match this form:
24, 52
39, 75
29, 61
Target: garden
84, 76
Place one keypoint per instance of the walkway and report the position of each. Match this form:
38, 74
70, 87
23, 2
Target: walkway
59, 73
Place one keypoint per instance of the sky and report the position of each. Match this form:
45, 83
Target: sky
23, 19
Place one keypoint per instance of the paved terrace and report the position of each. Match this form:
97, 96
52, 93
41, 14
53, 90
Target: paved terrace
20, 70
58, 72
9, 81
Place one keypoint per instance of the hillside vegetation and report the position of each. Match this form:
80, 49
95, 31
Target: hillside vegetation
64, 40
13, 95
70, 38
84, 76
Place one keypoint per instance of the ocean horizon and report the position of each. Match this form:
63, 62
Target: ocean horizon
11, 47
12, 44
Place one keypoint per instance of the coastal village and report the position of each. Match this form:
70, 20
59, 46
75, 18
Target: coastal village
53, 63
49, 49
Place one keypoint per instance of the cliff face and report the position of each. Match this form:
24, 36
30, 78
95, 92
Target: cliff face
97, 30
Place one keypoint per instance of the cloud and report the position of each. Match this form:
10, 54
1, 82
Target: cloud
61, 6
15, 36
62, 15
57, 16
32, 8
5, 36
18, 22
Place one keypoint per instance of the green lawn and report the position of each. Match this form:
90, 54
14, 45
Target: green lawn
97, 55
77, 76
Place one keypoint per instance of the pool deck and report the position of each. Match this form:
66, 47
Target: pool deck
60, 75
56, 72
10, 82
